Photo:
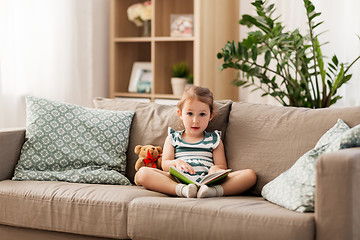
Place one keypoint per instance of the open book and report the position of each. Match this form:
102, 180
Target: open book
209, 179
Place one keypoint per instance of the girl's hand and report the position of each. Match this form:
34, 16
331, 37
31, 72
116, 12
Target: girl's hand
183, 166
214, 169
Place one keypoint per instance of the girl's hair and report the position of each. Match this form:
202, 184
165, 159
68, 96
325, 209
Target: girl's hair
197, 93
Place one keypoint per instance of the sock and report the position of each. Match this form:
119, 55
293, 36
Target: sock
215, 191
183, 190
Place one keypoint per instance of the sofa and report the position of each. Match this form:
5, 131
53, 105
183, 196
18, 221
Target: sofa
268, 139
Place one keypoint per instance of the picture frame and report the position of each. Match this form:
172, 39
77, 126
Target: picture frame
141, 77
181, 25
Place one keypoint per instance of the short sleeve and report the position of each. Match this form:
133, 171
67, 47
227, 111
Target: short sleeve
171, 134
170, 131
217, 138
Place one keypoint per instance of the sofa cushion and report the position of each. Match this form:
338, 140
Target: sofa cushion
241, 217
333, 133
349, 139
294, 189
65, 142
269, 139
152, 120
87, 209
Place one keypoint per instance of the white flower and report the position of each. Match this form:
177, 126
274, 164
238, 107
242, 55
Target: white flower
139, 12
146, 13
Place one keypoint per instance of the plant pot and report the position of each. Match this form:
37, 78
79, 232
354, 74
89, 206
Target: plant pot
178, 85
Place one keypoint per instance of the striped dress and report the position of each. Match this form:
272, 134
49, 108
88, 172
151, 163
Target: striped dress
198, 155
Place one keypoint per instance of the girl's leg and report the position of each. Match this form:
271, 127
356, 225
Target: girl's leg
239, 181
160, 181
236, 183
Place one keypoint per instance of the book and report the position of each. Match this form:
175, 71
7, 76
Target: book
209, 179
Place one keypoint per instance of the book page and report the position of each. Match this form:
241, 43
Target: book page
215, 177
182, 177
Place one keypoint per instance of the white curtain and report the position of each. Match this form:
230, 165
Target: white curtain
56, 49
342, 23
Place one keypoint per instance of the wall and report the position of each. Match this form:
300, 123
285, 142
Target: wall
341, 24
52, 49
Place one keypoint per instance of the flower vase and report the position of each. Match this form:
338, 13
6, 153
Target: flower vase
178, 85
147, 28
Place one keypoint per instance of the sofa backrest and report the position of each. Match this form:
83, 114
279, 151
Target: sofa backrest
269, 139
11, 141
151, 121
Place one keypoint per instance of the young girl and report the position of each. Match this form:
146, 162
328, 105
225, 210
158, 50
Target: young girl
196, 152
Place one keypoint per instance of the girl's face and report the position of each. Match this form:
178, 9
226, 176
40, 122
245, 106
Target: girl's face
195, 116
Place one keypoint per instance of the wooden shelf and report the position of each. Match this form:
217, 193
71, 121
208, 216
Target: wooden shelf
133, 39
199, 51
156, 39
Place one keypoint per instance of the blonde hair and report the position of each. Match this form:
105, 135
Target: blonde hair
197, 93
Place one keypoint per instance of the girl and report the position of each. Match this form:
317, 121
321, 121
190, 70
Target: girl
196, 152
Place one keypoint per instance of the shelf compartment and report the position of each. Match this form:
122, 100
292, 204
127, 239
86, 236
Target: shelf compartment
126, 53
123, 27
175, 52
163, 11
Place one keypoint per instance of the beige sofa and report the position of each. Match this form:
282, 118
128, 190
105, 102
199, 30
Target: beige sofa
268, 139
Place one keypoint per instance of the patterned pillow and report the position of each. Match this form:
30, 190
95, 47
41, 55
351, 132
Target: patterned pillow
349, 139
294, 189
65, 142
333, 133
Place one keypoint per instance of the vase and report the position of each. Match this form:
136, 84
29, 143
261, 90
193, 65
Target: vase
178, 85
147, 28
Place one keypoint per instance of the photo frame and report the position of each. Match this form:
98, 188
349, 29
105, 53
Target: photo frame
141, 77
181, 25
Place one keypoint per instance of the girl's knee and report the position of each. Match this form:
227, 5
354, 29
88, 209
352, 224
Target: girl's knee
142, 174
251, 175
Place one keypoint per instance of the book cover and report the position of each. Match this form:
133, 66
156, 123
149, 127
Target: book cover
209, 179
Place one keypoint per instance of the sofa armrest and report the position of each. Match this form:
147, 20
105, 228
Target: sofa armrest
337, 202
11, 141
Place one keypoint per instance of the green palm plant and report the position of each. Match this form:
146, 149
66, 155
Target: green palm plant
285, 64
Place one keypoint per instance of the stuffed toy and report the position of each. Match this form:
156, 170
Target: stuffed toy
149, 156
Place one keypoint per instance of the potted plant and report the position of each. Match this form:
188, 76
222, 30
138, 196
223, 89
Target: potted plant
180, 77
291, 67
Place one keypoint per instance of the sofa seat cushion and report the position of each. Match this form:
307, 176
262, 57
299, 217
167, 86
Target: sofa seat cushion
87, 209
240, 217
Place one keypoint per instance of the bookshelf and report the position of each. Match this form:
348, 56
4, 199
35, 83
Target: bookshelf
215, 22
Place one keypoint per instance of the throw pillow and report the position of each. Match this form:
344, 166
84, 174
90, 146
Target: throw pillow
294, 189
349, 139
333, 133
65, 142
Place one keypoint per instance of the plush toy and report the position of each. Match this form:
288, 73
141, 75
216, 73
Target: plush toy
149, 156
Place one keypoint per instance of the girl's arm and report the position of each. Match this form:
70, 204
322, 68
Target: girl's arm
219, 158
168, 156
